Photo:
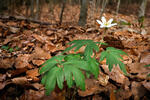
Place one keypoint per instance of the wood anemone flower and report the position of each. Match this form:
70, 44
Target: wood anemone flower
104, 24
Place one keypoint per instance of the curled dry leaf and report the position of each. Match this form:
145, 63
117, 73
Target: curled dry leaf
103, 79
92, 87
2, 77
6, 63
145, 57
32, 73
138, 90
38, 62
20, 80
146, 85
22, 61
39, 53
116, 74
138, 70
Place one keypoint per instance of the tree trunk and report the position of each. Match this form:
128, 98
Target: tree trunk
118, 6
37, 16
62, 11
83, 13
104, 3
142, 8
32, 9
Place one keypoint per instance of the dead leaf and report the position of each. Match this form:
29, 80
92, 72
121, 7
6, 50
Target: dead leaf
137, 90
38, 62
6, 63
146, 85
103, 79
138, 70
20, 80
92, 87
112, 95
116, 74
2, 77
22, 60
39, 53
33, 73
145, 57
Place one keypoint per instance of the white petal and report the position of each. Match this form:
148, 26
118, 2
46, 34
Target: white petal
99, 22
102, 26
110, 25
113, 24
103, 20
110, 21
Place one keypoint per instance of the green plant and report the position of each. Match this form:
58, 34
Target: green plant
148, 66
7, 48
72, 68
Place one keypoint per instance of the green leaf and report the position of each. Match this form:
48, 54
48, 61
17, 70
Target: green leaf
51, 80
147, 65
5, 47
72, 71
113, 57
68, 75
77, 63
51, 63
94, 67
60, 78
90, 45
73, 57
10, 50
79, 78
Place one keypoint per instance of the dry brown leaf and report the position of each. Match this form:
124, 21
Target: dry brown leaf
137, 90
92, 87
33, 73
38, 62
6, 63
22, 61
145, 57
112, 95
39, 53
146, 85
139, 70
49, 47
2, 85
2, 77
116, 74
20, 80
103, 79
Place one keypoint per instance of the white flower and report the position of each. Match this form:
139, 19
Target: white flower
105, 24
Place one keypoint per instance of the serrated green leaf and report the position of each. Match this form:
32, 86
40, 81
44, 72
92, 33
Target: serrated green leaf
113, 57
94, 67
103, 55
60, 78
148, 75
79, 78
77, 63
68, 75
51, 63
72, 57
51, 80
89, 47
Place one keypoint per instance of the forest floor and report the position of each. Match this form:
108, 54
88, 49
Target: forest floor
25, 45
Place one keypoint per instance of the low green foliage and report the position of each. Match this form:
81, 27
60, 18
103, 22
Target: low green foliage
113, 57
73, 67
7, 48
148, 66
